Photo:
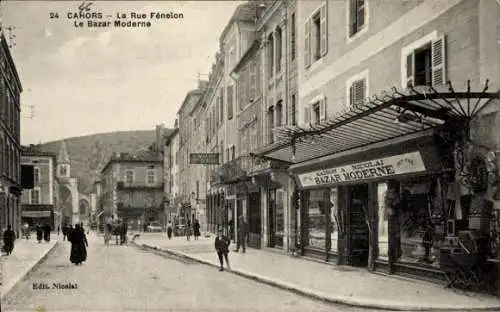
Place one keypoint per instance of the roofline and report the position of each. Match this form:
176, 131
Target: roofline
254, 47
117, 160
10, 59
40, 154
170, 137
188, 95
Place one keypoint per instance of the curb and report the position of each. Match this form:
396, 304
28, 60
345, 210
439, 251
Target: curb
5, 292
317, 295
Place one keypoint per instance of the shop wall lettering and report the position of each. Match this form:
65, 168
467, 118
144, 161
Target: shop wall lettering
373, 169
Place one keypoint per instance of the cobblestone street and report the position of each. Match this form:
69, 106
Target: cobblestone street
124, 278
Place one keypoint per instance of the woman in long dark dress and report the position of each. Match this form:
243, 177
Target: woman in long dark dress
39, 233
196, 229
79, 245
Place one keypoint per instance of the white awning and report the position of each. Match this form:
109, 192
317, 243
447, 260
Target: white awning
36, 214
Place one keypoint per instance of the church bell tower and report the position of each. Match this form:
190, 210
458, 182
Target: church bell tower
63, 162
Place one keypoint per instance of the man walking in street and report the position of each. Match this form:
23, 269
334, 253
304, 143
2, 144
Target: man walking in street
242, 235
169, 229
222, 248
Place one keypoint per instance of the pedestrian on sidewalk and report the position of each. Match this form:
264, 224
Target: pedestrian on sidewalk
242, 235
9, 237
79, 245
169, 229
222, 248
39, 233
196, 229
46, 232
65, 231
188, 230
58, 230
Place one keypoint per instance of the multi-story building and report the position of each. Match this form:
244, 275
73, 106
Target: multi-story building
132, 188
382, 132
190, 176
10, 127
235, 40
171, 174
214, 137
277, 30
39, 204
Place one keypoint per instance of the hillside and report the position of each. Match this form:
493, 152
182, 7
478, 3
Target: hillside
90, 153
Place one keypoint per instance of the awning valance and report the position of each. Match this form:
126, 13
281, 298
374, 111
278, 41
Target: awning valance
378, 119
36, 214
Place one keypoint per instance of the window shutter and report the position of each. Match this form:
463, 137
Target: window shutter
438, 61
323, 29
352, 16
360, 8
322, 109
253, 81
307, 115
410, 64
307, 43
359, 92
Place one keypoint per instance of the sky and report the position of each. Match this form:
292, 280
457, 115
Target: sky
78, 81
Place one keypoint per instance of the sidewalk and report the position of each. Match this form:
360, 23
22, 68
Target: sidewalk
338, 284
26, 255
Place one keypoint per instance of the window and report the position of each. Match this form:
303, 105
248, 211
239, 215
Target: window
425, 62
270, 125
129, 176
279, 112
228, 156
230, 102
253, 81
316, 36
293, 109
357, 89
270, 55
356, 16
221, 106
35, 196
233, 152
197, 190
292, 37
63, 170
151, 176
279, 46
315, 112
36, 175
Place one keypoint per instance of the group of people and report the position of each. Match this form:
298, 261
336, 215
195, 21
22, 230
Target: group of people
191, 229
115, 227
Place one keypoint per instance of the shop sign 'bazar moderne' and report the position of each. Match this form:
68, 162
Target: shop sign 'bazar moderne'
373, 169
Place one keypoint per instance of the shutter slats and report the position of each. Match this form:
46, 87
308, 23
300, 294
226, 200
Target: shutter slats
307, 43
323, 29
438, 61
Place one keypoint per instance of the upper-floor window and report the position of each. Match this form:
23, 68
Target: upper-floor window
221, 107
357, 89
315, 111
129, 176
279, 112
293, 111
35, 196
270, 125
36, 175
233, 152
357, 13
316, 36
279, 47
292, 37
425, 62
230, 96
151, 176
270, 55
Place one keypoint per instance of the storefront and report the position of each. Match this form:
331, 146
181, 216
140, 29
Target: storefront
37, 215
392, 184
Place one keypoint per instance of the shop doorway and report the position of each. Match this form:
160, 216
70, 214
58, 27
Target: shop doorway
275, 217
254, 220
358, 239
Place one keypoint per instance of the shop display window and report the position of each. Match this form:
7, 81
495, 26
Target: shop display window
420, 217
319, 214
383, 222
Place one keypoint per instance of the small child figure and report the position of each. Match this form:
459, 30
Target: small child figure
222, 248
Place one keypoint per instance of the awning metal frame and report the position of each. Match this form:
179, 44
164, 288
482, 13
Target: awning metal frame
380, 118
